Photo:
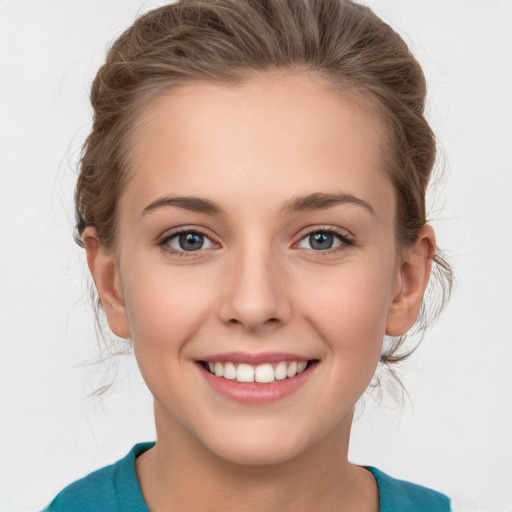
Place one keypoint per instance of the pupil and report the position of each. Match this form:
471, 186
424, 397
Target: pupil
191, 241
321, 241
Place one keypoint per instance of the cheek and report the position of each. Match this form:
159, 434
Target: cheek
165, 308
349, 308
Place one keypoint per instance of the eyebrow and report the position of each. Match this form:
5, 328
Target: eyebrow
322, 201
194, 204
309, 202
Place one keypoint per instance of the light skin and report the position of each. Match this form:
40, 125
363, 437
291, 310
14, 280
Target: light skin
255, 172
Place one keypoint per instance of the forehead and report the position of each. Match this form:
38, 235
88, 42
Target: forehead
272, 135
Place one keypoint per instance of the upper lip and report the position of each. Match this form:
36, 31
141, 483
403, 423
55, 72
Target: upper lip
254, 358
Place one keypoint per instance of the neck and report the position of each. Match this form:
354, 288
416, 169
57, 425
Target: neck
181, 474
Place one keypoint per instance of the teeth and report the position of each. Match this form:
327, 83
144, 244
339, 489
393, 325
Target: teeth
219, 369
280, 371
292, 369
244, 373
263, 373
230, 371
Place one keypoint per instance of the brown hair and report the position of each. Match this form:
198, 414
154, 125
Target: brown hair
226, 41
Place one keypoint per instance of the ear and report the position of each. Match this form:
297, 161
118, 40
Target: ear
414, 273
105, 273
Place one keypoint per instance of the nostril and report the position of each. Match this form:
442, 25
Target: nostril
272, 320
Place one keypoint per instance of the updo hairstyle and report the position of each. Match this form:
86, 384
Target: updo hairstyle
227, 41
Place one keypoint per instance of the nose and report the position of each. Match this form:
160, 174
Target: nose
255, 294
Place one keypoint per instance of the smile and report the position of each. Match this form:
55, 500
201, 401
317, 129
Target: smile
257, 378
262, 373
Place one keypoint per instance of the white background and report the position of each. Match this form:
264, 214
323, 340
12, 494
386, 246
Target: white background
454, 433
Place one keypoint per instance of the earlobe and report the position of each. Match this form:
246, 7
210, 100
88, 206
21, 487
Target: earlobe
105, 273
414, 274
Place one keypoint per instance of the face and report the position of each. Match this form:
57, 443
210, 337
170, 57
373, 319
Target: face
256, 241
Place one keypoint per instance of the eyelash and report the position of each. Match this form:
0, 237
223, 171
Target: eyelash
341, 235
164, 243
345, 241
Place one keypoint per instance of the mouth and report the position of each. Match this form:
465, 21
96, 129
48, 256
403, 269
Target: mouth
256, 379
262, 373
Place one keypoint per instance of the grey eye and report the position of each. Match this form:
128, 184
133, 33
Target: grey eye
189, 241
320, 241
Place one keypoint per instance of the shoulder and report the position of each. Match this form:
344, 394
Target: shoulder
399, 495
109, 489
93, 492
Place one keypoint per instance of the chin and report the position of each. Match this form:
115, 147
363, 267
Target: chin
259, 445
252, 454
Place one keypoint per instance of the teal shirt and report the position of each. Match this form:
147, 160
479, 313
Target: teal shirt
115, 488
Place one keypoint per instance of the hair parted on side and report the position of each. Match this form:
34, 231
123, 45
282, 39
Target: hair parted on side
227, 41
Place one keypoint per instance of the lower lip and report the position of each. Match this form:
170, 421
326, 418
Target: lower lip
252, 392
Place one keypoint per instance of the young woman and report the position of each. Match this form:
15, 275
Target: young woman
251, 200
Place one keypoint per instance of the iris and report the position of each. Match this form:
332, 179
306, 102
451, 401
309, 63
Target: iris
191, 241
321, 241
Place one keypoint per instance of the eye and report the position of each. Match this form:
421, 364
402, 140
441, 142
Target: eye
188, 241
324, 240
